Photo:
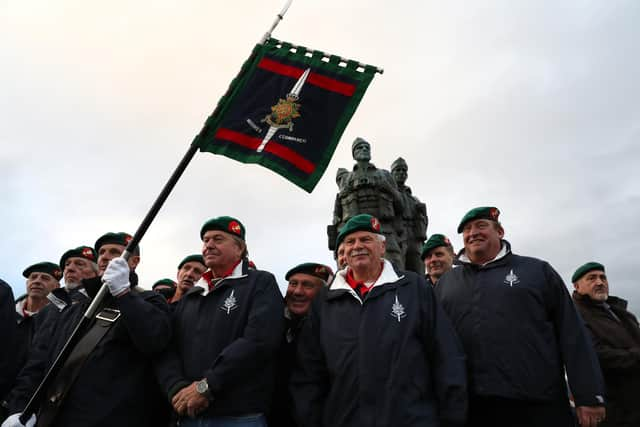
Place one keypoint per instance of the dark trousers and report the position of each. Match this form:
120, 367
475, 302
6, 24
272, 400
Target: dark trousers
501, 412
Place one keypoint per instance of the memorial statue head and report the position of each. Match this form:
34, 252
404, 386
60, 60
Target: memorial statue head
361, 150
341, 174
399, 170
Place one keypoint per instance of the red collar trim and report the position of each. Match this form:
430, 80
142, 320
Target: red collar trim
359, 286
208, 275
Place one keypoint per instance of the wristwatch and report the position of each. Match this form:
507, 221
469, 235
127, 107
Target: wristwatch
202, 387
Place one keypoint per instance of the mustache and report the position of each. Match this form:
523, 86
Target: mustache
357, 252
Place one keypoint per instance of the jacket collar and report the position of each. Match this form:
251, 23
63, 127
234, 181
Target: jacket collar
202, 285
388, 275
612, 301
505, 249
62, 297
20, 309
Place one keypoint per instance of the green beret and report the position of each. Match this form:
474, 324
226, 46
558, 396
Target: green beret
224, 223
44, 267
190, 258
362, 222
484, 212
85, 252
320, 271
435, 241
584, 269
120, 238
166, 282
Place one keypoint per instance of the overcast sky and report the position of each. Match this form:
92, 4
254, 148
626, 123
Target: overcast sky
531, 106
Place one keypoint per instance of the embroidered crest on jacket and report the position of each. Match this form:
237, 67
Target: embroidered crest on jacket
229, 303
511, 279
397, 310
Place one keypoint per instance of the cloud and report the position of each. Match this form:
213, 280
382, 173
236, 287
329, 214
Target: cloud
531, 106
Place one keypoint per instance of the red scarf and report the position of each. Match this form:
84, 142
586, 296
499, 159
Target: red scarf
359, 286
212, 281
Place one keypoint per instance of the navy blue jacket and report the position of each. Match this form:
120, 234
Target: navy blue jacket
25, 330
229, 335
391, 359
8, 333
113, 385
519, 329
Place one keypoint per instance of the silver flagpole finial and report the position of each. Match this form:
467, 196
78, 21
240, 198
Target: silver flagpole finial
279, 18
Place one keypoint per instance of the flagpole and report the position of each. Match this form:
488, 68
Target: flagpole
33, 403
276, 21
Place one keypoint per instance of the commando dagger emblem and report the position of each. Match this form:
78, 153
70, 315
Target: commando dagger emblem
511, 279
230, 304
397, 310
283, 113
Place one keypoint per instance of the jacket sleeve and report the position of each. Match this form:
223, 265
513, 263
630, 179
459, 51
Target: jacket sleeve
40, 357
146, 318
448, 367
579, 357
614, 359
309, 384
259, 342
8, 325
167, 365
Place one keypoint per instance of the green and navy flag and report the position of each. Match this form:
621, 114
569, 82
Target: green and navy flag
286, 110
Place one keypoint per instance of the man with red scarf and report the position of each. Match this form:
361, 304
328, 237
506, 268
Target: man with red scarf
220, 366
377, 349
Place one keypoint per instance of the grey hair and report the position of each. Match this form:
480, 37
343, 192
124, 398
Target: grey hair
241, 243
94, 266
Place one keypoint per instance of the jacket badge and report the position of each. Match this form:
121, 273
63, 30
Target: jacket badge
229, 304
397, 310
511, 279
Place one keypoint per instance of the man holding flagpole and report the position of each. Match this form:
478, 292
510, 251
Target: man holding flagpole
105, 380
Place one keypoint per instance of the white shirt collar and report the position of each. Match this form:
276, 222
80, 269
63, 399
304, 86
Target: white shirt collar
501, 254
388, 275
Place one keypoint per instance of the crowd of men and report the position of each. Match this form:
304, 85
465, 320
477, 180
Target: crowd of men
485, 337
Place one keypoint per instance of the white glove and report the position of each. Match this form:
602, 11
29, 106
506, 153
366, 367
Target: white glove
116, 276
14, 421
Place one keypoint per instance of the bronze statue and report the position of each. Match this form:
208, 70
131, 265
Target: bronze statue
370, 190
414, 217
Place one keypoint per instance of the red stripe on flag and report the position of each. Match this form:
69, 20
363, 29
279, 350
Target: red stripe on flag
272, 147
290, 156
314, 78
238, 138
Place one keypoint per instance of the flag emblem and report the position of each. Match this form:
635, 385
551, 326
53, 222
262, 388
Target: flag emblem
283, 113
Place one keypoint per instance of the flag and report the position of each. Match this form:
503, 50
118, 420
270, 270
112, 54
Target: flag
286, 110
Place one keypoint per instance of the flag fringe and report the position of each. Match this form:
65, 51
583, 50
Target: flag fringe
341, 61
